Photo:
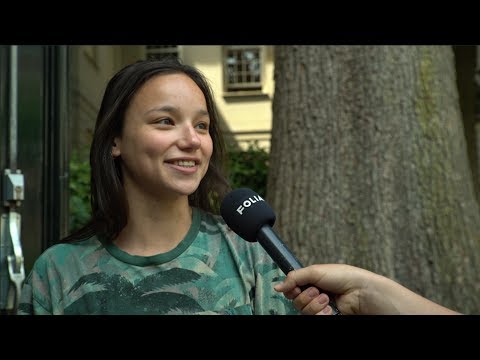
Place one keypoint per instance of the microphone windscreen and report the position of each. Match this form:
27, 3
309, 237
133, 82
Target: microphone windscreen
245, 212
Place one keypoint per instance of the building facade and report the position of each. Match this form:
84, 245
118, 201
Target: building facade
241, 78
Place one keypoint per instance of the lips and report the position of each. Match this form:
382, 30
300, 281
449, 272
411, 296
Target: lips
184, 165
184, 162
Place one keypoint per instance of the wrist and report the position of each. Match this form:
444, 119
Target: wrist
377, 296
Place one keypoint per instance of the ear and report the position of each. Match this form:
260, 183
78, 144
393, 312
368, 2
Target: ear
115, 148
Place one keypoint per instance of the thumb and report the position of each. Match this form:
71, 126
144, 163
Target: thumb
327, 277
288, 283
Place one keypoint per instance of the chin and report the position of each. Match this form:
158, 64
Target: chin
185, 186
186, 190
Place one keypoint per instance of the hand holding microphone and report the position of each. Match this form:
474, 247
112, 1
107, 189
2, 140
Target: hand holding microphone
248, 215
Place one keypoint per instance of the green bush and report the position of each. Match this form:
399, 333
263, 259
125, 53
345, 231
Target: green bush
245, 168
248, 168
79, 187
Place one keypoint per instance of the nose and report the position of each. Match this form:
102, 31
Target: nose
189, 138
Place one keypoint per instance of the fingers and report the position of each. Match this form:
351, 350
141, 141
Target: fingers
312, 302
292, 294
289, 288
288, 284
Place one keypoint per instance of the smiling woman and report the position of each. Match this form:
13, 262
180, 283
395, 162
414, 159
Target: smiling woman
168, 146
155, 243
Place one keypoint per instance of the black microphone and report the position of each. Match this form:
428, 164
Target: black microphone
248, 215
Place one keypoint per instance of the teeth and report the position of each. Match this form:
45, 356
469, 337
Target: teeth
186, 163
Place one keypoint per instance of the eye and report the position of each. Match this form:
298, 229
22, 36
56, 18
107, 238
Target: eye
202, 126
165, 121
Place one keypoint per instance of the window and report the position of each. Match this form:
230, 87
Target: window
243, 67
161, 51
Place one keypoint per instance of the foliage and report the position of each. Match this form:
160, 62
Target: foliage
245, 168
248, 168
79, 187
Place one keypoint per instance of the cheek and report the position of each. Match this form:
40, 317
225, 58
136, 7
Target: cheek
153, 145
208, 148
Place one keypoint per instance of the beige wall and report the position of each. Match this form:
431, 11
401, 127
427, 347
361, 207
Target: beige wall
93, 66
90, 69
240, 113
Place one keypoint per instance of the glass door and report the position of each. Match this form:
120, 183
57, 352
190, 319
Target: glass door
33, 159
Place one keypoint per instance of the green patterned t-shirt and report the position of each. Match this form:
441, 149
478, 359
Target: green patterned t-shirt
212, 271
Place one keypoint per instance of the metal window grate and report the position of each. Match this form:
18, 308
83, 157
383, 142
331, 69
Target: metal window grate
161, 51
243, 68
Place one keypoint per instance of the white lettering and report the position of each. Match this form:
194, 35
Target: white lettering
247, 203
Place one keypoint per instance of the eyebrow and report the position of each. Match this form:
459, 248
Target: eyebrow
173, 109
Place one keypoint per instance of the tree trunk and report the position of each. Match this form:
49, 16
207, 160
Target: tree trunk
465, 60
369, 166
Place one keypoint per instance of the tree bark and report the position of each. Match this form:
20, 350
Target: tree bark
369, 166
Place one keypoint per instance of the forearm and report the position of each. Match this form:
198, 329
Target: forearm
385, 296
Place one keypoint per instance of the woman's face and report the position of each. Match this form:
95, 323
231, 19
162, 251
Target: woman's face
165, 145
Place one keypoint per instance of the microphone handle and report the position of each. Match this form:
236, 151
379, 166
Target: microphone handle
285, 259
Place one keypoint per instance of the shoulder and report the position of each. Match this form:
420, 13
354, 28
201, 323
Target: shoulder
78, 246
214, 226
213, 223
60, 253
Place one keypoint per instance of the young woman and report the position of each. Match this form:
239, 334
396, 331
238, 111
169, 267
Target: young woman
155, 244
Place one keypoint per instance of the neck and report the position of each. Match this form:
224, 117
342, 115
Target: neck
154, 227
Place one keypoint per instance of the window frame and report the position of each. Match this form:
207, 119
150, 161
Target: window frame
162, 50
245, 89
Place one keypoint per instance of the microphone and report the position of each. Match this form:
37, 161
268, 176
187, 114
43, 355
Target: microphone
249, 216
